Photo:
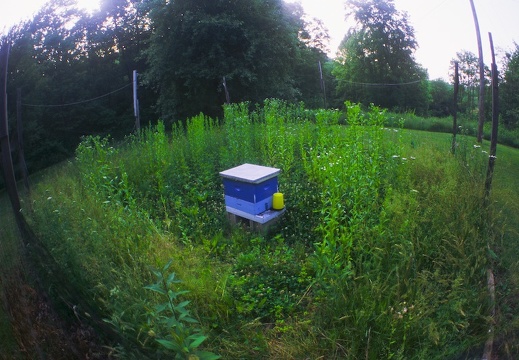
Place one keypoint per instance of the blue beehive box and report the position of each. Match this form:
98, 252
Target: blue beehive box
249, 188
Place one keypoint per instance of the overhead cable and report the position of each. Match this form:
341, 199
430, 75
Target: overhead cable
383, 84
80, 102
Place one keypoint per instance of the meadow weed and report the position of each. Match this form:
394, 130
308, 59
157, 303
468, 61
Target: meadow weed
382, 252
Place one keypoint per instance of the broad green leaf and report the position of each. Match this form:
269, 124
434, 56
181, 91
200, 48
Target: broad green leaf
166, 267
198, 339
156, 288
160, 308
206, 355
171, 279
183, 304
169, 345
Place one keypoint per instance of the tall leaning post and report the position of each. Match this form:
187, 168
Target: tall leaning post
136, 102
481, 65
7, 161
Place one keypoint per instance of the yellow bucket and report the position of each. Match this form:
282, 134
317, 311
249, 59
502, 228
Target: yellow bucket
277, 201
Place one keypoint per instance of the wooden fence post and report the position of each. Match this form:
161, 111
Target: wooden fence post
481, 103
7, 161
227, 97
20, 148
455, 106
136, 103
487, 352
323, 86
495, 124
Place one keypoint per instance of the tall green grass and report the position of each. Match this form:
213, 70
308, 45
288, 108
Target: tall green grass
382, 253
467, 125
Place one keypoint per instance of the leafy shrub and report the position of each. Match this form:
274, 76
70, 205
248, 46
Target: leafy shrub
268, 282
170, 323
381, 253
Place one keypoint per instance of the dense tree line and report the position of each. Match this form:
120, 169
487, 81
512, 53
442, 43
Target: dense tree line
64, 57
510, 90
376, 62
254, 44
183, 51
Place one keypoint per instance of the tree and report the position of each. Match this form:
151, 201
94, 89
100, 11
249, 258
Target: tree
441, 98
63, 56
313, 44
376, 58
264, 48
509, 90
469, 80
312, 31
195, 43
44, 54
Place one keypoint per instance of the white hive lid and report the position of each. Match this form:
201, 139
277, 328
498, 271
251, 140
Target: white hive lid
250, 173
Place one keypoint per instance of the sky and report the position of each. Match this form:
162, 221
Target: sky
442, 27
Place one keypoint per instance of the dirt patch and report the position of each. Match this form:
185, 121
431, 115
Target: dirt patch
42, 333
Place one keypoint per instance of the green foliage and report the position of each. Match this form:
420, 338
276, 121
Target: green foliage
253, 44
467, 125
381, 253
468, 64
170, 323
263, 48
376, 62
239, 133
350, 199
10, 264
442, 98
412, 121
278, 133
66, 56
509, 91
268, 281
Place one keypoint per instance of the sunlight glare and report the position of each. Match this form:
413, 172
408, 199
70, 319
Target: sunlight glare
89, 5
